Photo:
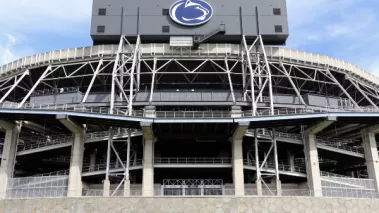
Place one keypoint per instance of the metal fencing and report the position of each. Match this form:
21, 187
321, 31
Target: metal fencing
37, 187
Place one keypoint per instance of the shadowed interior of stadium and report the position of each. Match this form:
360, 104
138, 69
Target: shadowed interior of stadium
187, 98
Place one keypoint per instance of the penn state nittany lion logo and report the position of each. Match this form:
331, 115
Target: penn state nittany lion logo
191, 12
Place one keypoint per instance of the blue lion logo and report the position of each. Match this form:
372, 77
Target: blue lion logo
191, 12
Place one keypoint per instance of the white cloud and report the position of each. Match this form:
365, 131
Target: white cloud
13, 48
26, 24
345, 29
46, 15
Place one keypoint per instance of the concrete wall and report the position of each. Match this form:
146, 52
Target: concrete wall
191, 205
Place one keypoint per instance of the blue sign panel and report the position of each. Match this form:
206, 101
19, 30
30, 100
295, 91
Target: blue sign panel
191, 12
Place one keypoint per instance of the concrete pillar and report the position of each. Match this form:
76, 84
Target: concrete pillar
9, 155
313, 167
311, 153
258, 184
371, 155
148, 169
107, 188
77, 154
278, 186
291, 160
92, 160
238, 174
148, 160
127, 188
237, 159
75, 176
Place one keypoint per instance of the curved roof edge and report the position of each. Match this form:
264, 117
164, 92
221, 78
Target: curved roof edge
205, 50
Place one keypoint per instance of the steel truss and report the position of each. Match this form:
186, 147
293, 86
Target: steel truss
270, 154
125, 70
255, 63
125, 165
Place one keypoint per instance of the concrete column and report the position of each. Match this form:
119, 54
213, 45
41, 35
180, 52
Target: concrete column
127, 188
291, 160
75, 176
313, 167
9, 155
311, 153
77, 153
237, 159
278, 185
106, 188
92, 160
148, 169
148, 160
371, 155
238, 174
258, 184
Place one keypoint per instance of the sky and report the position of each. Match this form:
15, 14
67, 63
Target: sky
344, 29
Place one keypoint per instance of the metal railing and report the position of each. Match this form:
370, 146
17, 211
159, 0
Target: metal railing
222, 161
40, 142
282, 167
184, 114
339, 143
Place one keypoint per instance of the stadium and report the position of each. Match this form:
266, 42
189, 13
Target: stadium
188, 99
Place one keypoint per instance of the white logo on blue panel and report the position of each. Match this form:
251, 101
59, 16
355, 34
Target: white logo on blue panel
191, 12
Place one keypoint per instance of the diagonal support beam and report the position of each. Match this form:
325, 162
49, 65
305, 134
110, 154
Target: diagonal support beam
14, 86
316, 128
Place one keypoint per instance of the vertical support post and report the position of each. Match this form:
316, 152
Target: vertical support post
127, 175
313, 167
9, 155
254, 105
75, 176
135, 61
153, 81
278, 184
371, 154
107, 184
148, 160
268, 70
77, 152
114, 74
148, 169
238, 174
311, 155
258, 182
237, 159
